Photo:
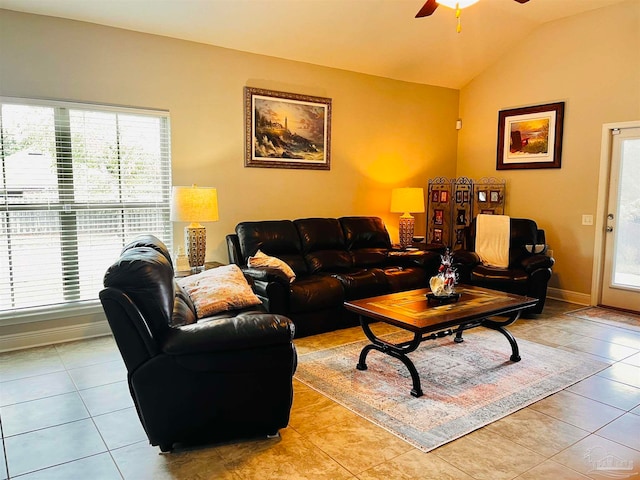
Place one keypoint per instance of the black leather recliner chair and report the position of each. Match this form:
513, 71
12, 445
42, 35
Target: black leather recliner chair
529, 268
192, 381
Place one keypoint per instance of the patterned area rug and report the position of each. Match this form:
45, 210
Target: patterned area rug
609, 316
466, 385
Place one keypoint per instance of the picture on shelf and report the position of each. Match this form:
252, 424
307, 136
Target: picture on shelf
482, 196
435, 196
494, 196
444, 196
437, 235
459, 236
461, 218
465, 196
459, 196
438, 217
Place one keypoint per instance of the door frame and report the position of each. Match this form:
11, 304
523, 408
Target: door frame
601, 206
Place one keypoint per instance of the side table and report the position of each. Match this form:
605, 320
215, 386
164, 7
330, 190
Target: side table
207, 266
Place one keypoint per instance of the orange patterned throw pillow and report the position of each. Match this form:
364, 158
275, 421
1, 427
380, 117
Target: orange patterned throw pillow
261, 259
219, 289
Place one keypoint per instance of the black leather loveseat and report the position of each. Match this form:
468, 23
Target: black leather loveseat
334, 259
193, 380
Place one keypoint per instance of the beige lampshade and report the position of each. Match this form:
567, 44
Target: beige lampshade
407, 200
194, 204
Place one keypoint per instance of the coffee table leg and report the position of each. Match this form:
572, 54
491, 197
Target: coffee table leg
458, 338
396, 351
499, 326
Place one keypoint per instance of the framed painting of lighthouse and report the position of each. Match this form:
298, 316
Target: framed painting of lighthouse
287, 130
530, 137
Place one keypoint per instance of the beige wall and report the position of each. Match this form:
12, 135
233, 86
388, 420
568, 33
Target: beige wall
592, 63
385, 133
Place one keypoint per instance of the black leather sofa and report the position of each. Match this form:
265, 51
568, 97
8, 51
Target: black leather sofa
529, 269
334, 259
192, 381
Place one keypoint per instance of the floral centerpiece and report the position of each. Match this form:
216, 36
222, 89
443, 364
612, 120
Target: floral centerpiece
443, 284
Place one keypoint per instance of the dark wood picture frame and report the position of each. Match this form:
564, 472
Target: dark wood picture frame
286, 130
530, 137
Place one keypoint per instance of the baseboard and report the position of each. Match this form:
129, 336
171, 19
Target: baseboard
569, 296
38, 338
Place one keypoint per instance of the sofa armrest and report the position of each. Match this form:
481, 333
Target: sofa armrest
266, 274
426, 259
466, 257
535, 262
244, 331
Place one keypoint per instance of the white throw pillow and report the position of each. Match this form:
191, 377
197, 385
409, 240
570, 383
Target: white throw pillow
219, 289
261, 259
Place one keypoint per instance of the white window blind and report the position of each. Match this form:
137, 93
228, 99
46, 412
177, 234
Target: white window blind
77, 182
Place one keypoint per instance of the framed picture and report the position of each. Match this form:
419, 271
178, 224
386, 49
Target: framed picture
444, 196
437, 235
435, 196
494, 196
482, 196
530, 137
465, 196
438, 217
459, 196
459, 236
461, 218
286, 130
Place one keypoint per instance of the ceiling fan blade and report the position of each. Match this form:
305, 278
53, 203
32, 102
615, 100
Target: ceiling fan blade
522, 1
428, 8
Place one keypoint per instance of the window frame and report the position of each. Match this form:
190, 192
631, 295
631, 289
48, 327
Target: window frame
78, 307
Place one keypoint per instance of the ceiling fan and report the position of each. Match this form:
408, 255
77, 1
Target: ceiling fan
430, 6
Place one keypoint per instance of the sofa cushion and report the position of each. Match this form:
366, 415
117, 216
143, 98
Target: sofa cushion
260, 259
219, 289
323, 244
365, 232
362, 283
315, 292
406, 278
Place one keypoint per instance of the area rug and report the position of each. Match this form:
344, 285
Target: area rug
609, 316
466, 385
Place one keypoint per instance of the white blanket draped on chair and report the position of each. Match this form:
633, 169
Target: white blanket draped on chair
492, 239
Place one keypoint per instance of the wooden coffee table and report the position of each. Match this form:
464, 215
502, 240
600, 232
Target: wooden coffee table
428, 320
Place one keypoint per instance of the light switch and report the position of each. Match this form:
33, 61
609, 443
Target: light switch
587, 219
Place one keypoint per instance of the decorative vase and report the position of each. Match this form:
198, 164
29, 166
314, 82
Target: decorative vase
443, 284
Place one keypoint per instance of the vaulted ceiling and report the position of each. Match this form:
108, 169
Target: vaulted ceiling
378, 37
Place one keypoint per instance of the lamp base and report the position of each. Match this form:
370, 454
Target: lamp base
406, 231
195, 240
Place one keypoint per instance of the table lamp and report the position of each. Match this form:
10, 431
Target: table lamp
407, 201
194, 204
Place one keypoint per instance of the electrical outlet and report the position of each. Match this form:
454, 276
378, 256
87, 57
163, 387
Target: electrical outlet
587, 219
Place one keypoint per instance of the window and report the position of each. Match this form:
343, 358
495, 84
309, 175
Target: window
77, 182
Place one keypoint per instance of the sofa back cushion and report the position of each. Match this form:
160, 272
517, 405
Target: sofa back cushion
323, 244
278, 238
367, 239
523, 231
146, 275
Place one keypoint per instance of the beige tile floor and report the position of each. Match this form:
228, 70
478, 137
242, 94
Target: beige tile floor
66, 413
